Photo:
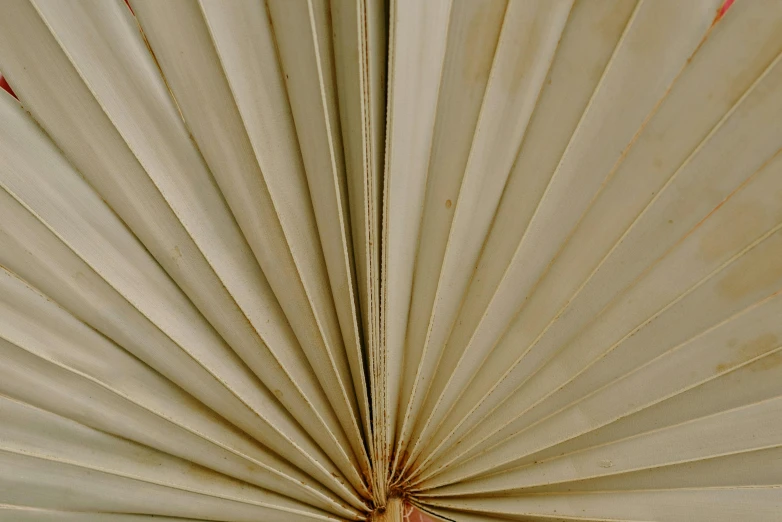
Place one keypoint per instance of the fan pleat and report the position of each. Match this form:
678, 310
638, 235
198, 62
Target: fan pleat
391, 260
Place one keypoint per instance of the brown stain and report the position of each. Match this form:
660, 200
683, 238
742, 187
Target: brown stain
200, 472
751, 349
480, 41
447, 203
610, 26
759, 345
152, 459
731, 231
768, 362
513, 75
760, 269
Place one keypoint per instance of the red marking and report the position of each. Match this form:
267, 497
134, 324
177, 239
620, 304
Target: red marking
4, 85
724, 9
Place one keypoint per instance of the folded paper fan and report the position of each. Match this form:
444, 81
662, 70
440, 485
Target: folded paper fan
400, 261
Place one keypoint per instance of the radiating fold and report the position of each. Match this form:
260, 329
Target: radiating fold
523, 55
373, 259
74, 467
417, 41
48, 352
88, 247
308, 65
178, 30
359, 43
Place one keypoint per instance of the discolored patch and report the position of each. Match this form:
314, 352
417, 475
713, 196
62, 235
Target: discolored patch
481, 37
751, 349
732, 230
759, 269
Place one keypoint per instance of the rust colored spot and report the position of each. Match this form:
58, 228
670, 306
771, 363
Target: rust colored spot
752, 349
448, 203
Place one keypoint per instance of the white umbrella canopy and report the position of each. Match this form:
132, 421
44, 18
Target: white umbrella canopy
466, 260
